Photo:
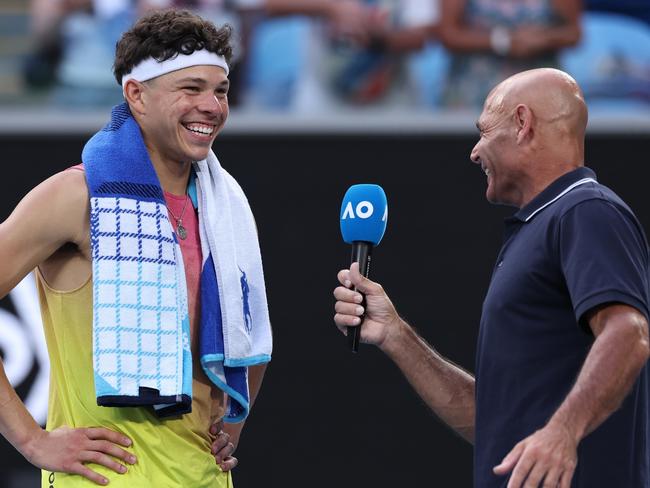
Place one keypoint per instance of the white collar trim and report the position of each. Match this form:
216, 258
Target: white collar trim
564, 192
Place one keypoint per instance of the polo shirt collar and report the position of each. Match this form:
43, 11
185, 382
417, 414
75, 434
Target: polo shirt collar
556, 190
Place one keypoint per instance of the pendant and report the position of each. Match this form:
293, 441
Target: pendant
180, 230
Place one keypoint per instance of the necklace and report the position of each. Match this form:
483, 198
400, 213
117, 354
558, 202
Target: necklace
180, 230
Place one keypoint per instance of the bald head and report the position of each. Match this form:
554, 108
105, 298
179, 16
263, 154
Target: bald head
532, 132
554, 98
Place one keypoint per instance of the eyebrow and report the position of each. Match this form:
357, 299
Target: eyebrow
200, 81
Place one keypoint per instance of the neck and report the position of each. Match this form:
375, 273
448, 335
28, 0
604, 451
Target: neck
173, 176
545, 179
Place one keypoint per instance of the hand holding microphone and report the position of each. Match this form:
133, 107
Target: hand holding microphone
378, 314
364, 213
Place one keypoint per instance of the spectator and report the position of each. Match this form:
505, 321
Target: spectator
47, 18
492, 39
347, 18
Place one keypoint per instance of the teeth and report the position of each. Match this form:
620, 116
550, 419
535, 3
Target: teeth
200, 129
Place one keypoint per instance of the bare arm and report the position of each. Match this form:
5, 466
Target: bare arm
618, 354
527, 40
43, 221
404, 39
348, 18
49, 216
447, 389
324, 8
455, 34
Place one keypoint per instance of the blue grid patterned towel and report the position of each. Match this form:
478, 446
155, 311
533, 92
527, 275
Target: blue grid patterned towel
141, 333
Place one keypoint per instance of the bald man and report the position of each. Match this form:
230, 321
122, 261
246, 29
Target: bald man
560, 397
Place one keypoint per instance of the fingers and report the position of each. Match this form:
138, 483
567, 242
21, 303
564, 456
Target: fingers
102, 459
353, 277
344, 278
347, 307
88, 473
567, 476
363, 284
510, 460
112, 449
224, 453
552, 478
216, 428
103, 449
229, 464
345, 295
520, 473
343, 321
536, 475
222, 440
98, 433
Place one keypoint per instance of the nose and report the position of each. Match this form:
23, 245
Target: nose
474, 156
210, 104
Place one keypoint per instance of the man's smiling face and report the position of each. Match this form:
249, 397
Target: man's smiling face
185, 110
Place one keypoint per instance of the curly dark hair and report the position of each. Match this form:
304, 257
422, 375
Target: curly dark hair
164, 34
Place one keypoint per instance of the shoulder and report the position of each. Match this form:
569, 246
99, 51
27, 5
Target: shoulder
598, 214
60, 204
66, 187
597, 199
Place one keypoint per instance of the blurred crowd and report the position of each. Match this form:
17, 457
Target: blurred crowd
320, 55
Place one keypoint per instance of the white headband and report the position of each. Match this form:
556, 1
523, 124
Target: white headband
150, 68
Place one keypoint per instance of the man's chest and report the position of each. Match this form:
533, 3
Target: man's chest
527, 311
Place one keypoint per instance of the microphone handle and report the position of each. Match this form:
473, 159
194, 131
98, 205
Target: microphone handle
361, 253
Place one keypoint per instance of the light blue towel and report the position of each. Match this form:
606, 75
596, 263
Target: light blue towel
141, 334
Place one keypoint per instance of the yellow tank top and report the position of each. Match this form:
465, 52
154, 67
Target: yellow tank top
171, 453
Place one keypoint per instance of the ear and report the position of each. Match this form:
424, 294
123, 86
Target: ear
523, 122
134, 95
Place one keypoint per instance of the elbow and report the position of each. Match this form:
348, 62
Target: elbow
644, 346
642, 343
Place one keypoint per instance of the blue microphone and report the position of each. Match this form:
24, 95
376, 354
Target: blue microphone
364, 213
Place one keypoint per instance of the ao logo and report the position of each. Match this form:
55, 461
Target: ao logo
22, 344
363, 210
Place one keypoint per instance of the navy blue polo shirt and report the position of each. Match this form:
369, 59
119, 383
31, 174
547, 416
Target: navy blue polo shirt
575, 246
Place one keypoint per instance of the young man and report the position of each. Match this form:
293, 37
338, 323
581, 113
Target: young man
560, 397
138, 265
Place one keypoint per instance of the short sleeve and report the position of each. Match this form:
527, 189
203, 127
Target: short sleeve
604, 257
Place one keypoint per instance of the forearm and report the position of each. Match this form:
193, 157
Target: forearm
561, 36
612, 366
16, 423
446, 388
295, 7
525, 41
411, 39
464, 39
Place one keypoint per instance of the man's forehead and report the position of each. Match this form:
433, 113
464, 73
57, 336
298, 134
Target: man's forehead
485, 116
202, 73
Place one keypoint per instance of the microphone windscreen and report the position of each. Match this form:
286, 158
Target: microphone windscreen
364, 213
